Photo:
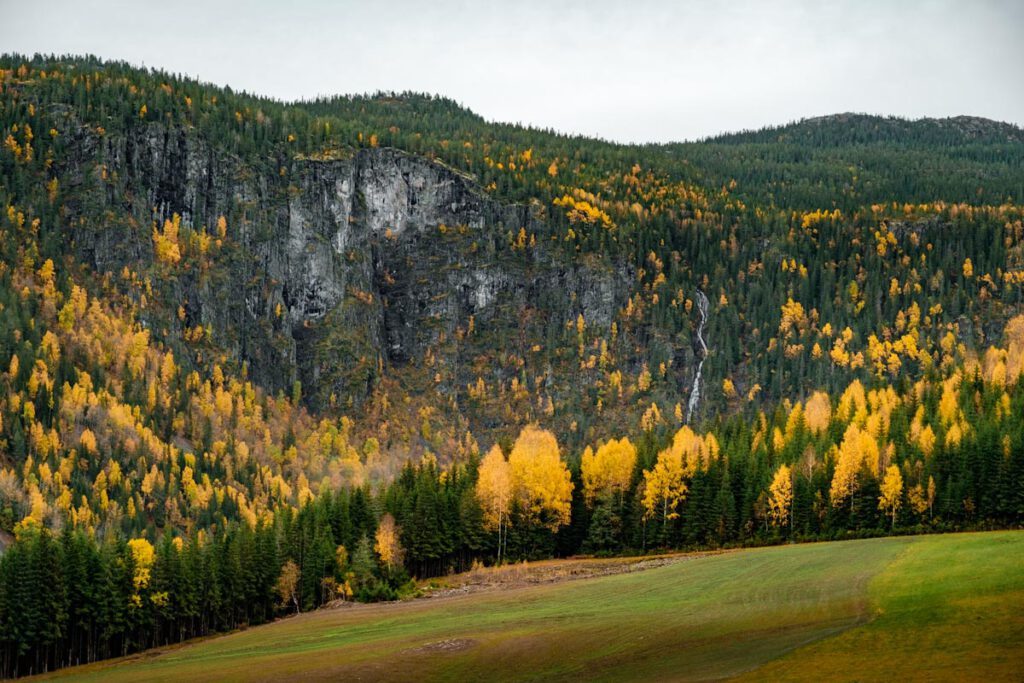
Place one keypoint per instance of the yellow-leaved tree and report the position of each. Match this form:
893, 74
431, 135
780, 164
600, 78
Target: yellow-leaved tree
88, 441
540, 480
494, 491
386, 542
665, 485
609, 470
892, 493
142, 558
818, 412
165, 244
288, 584
918, 503
780, 497
857, 448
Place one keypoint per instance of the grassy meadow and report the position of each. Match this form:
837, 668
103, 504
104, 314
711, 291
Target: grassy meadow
945, 607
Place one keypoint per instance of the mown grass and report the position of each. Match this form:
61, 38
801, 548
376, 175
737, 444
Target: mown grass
880, 609
950, 608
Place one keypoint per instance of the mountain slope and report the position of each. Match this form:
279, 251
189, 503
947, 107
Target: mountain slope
204, 154
254, 353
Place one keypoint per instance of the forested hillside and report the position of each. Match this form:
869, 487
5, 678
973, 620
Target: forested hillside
259, 356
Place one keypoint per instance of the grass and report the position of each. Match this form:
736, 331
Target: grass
930, 608
949, 608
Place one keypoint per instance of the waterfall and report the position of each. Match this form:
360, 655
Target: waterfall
702, 308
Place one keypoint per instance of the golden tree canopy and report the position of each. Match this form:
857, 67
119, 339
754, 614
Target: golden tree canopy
693, 450
858, 447
853, 404
143, 556
818, 412
287, 584
665, 485
386, 543
892, 491
610, 469
540, 479
780, 496
494, 487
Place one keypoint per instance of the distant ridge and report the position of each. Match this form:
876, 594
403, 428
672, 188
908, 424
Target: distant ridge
854, 128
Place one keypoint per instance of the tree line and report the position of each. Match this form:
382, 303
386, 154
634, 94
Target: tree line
946, 454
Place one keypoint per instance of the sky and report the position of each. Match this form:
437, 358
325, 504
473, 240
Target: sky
635, 71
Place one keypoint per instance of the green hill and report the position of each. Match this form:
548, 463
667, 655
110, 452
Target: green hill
883, 609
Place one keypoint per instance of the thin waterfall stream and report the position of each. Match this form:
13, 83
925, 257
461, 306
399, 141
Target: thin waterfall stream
702, 351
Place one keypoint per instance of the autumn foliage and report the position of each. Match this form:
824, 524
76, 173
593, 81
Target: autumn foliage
158, 487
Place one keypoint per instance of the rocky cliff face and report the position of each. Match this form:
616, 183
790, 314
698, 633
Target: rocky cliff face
374, 260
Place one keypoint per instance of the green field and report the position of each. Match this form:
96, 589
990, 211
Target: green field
915, 608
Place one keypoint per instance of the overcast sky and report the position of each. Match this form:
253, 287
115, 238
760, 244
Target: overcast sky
633, 71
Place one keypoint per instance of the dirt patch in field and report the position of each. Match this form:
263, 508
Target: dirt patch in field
548, 571
443, 646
